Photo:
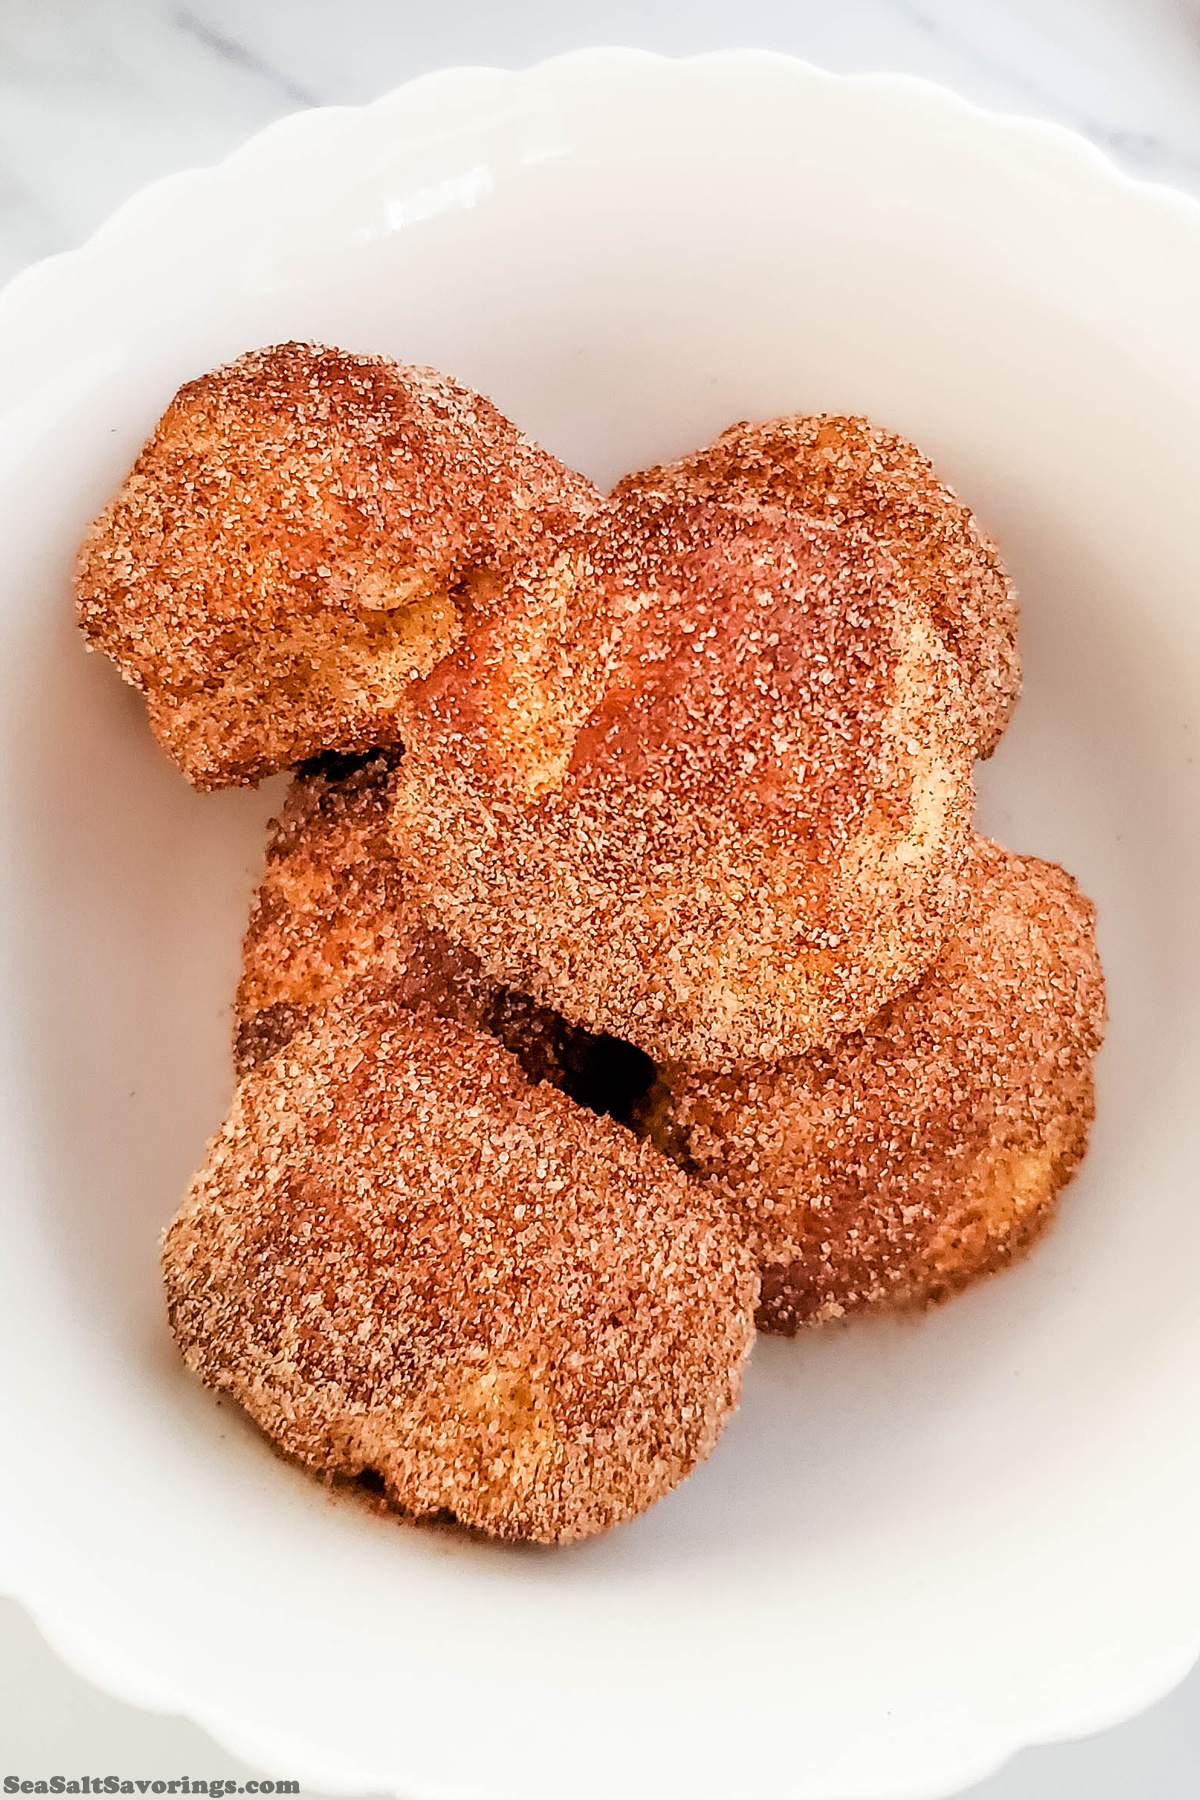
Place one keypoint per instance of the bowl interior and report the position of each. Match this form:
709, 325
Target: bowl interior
906, 1538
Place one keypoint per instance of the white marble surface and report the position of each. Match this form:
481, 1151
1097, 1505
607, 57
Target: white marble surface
98, 97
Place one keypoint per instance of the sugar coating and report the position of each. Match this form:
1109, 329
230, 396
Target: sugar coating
919, 1154
402, 1257
849, 471
704, 782
334, 915
298, 539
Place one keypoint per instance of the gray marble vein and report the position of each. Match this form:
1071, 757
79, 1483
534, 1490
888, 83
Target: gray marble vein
99, 96
237, 55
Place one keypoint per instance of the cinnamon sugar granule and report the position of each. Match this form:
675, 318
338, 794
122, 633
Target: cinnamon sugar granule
333, 915
914, 1156
291, 548
848, 471
704, 785
401, 1256
686, 777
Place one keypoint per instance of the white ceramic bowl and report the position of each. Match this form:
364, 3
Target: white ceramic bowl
919, 1545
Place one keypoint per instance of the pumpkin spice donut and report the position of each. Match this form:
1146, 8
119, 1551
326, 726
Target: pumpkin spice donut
845, 469
407, 1261
928, 1150
334, 915
703, 782
300, 537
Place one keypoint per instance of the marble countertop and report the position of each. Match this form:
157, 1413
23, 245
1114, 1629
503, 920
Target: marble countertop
97, 97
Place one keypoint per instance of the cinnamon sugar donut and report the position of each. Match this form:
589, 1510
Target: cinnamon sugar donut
297, 540
333, 915
830, 466
403, 1258
913, 1157
703, 782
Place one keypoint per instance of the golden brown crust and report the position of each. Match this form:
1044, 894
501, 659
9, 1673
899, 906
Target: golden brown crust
704, 783
913, 1157
401, 1256
332, 913
291, 547
848, 471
